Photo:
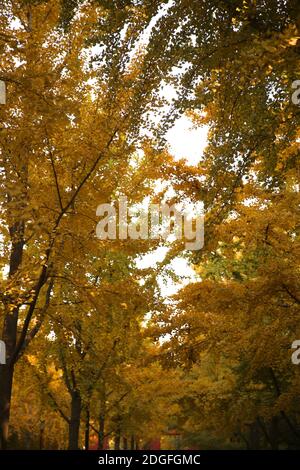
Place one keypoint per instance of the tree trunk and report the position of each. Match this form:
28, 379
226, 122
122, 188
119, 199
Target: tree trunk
87, 429
74, 424
132, 442
6, 380
101, 432
274, 435
254, 436
9, 334
117, 439
42, 433
125, 443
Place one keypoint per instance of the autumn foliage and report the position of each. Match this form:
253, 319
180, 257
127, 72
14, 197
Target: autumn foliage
97, 352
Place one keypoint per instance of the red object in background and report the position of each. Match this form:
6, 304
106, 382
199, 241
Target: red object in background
94, 443
154, 445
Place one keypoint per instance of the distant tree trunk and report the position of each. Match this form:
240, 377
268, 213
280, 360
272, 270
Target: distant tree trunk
274, 435
87, 428
132, 442
42, 432
101, 435
265, 431
254, 436
244, 439
117, 439
125, 443
74, 424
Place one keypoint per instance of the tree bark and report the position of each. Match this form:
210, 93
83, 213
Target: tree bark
9, 335
42, 433
274, 433
117, 439
254, 436
87, 429
74, 424
101, 435
6, 380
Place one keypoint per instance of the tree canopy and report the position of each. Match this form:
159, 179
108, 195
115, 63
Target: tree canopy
98, 353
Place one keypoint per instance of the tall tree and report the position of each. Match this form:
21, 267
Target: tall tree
59, 140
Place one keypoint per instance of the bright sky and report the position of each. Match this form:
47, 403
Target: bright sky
186, 141
189, 143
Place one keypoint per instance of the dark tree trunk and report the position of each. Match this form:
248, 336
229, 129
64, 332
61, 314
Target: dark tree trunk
132, 442
117, 439
101, 435
6, 380
74, 424
125, 443
42, 432
274, 434
87, 429
244, 439
254, 436
9, 335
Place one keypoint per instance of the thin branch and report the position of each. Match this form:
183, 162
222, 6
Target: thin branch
83, 181
54, 172
47, 391
293, 296
40, 283
37, 326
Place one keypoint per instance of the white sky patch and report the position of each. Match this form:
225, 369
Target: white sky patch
16, 24
145, 36
186, 141
182, 268
51, 336
151, 259
179, 265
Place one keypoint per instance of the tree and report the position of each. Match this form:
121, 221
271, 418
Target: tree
58, 144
